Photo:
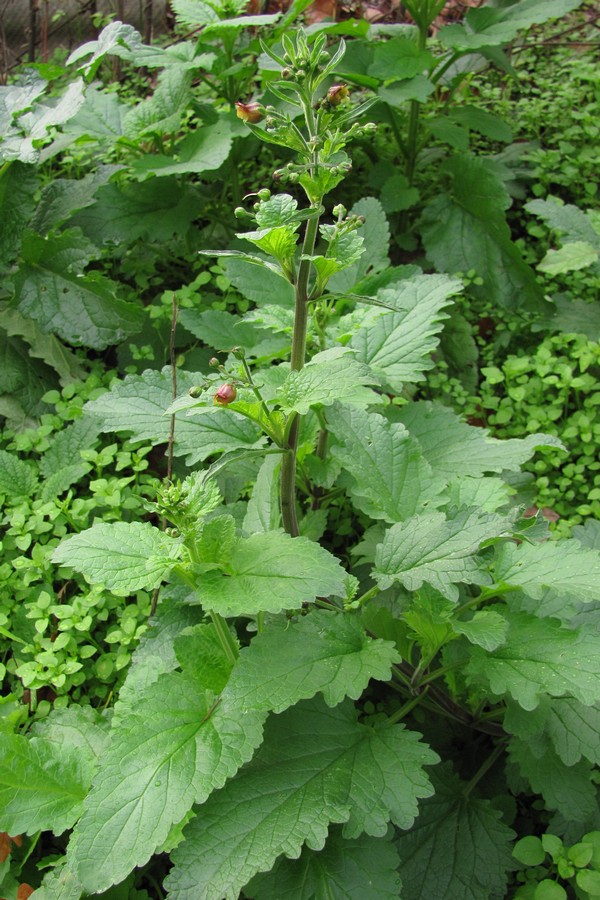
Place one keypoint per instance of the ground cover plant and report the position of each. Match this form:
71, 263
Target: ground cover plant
361, 648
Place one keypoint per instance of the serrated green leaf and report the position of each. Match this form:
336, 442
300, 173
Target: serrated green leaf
574, 255
161, 112
60, 883
399, 58
200, 653
100, 118
114, 37
490, 27
359, 869
568, 220
43, 346
467, 229
488, 494
82, 309
345, 248
576, 317
270, 572
123, 556
221, 330
18, 184
217, 540
279, 242
17, 478
258, 284
263, 512
137, 406
458, 848
67, 445
123, 213
63, 197
429, 621
565, 566
465, 450
539, 657
398, 345
155, 653
78, 727
173, 748
482, 121
390, 478
429, 548
349, 773
56, 111
194, 13
376, 238
23, 382
202, 150
330, 376
42, 785
572, 728
568, 789
487, 628
418, 88
323, 652
282, 209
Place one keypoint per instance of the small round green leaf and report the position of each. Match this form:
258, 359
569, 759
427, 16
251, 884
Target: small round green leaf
553, 845
529, 851
593, 838
580, 854
549, 890
589, 881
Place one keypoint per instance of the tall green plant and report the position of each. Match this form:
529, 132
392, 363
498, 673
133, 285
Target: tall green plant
449, 195
276, 732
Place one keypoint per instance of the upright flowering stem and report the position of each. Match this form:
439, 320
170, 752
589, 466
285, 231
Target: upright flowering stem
288, 465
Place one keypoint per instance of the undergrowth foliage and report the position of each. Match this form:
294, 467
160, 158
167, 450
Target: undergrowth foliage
299, 722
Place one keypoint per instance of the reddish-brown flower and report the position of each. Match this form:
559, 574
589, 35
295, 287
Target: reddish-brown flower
249, 112
337, 93
225, 394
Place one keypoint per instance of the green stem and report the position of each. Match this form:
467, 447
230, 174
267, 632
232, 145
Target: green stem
254, 389
413, 123
485, 594
433, 676
225, 636
393, 119
485, 767
404, 710
288, 463
226, 639
32, 845
368, 595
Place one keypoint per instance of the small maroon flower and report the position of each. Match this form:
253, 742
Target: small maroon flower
225, 394
249, 112
337, 93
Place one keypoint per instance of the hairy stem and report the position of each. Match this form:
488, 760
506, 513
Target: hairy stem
413, 123
288, 463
